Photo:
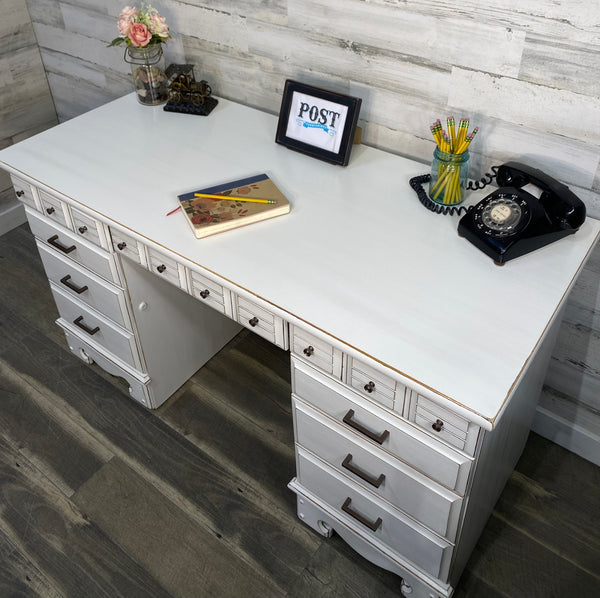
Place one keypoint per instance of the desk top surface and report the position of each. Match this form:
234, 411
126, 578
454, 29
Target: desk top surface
357, 257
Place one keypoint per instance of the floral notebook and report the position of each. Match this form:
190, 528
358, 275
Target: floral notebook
244, 202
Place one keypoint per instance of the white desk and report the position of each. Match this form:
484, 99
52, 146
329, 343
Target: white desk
384, 292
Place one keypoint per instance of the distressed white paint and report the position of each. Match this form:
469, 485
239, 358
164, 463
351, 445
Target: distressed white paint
526, 74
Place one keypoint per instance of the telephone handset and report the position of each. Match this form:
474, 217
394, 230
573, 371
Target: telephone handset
528, 211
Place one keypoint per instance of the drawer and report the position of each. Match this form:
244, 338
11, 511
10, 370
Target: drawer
316, 351
377, 386
82, 284
127, 246
25, 192
382, 430
262, 321
164, 266
386, 477
55, 209
90, 324
139, 384
91, 230
210, 292
374, 518
74, 247
444, 424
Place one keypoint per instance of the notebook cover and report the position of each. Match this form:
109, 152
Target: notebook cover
211, 216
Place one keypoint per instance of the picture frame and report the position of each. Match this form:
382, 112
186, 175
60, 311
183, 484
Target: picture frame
317, 122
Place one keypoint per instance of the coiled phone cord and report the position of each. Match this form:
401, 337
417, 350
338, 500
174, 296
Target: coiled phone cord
417, 184
484, 181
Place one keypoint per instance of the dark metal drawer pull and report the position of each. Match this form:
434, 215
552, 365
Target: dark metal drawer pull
438, 425
205, 293
82, 229
346, 463
372, 525
253, 321
161, 268
54, 242
50, 210
121, 245
309, 351
20, 193
79, 322
65, 280
378, 438
370, 387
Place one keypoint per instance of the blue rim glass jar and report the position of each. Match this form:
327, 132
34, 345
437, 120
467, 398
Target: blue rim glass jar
448, 177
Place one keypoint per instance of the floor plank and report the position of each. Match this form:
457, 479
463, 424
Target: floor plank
73, 551
19, 577
137, 517
31, 425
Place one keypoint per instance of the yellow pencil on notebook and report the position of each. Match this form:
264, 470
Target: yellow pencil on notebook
230, 198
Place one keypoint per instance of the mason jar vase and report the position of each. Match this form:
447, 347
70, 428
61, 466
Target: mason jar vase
148, 73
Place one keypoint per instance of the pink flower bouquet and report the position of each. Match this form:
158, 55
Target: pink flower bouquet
141, 27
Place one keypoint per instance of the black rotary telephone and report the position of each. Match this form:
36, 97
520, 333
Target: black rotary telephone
528, 211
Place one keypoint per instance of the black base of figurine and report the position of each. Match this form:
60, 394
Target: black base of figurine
204, 110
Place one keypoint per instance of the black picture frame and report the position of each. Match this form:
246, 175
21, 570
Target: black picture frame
329, 118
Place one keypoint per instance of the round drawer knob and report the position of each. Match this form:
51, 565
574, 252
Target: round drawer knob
121, 245
20, 193
50, 210
161, 268
253, 321
437, 425
205, 293
82, 229
309, 351
370, 387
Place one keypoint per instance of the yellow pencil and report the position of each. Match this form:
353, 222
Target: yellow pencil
231, 198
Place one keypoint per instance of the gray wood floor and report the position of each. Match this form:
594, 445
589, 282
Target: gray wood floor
100, 497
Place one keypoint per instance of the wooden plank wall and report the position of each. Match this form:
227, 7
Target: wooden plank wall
26, 105
527, 76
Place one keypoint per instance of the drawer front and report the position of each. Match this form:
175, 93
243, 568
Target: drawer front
210, 292
317, 352
377, 386
126, 245
164, 266
86, 226
91, 325
25, 192
55, 209
82, 284
413, 493
74, 247
444, 424
383, 431
262, 321
139, 384
374, 518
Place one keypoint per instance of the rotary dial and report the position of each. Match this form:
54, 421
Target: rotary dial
503, 215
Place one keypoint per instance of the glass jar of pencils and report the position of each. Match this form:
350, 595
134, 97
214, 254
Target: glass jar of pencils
448, 177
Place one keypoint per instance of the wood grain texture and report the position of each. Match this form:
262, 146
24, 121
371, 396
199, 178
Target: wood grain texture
26, 106
47, 527
101, 497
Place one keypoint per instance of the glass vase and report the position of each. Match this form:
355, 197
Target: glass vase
148, 72
448, 177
